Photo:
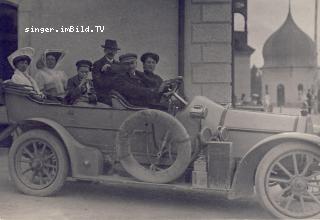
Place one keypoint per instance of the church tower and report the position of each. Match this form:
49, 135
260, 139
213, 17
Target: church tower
290, 64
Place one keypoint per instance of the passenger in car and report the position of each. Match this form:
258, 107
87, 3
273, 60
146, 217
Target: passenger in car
80, 86
149, 61
104, 70
133, 87
20, 61
52, 82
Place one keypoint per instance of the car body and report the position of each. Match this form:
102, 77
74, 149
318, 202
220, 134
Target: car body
203, 146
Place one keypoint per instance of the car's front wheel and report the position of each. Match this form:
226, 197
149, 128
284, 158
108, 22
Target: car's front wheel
288, 180
38, 163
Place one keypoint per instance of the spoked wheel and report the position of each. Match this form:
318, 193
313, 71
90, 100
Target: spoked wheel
38, 163
153, 146
288, 181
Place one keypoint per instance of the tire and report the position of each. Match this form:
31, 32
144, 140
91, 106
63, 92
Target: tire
170, 142
38, 163
286, 179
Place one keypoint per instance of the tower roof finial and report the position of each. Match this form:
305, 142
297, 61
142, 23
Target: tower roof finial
289, 6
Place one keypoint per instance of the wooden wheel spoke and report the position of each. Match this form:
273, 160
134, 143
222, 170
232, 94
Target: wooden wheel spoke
278, 180
43, 149
26, 160
314, 197
33, 176
49, 165
45, 171
40, 178
283, 191
302, 203
295, 164
309, 161
28, 152
285, 170
27, 170
51, 155
35, 148
289, 201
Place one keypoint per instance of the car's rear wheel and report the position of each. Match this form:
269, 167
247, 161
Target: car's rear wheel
288, 180
153, 146
38, 163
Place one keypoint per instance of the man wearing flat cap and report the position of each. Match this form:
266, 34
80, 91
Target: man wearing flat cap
104, 70
80, 87
132, 85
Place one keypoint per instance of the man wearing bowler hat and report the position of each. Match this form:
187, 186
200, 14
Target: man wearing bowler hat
132, 85
104, 70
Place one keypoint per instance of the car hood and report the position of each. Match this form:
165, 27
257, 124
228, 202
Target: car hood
234, 119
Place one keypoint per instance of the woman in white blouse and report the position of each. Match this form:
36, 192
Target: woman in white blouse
51, 81
20, 61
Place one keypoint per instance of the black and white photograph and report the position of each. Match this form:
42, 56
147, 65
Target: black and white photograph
159, 109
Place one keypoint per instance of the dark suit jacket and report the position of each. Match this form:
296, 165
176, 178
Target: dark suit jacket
74, 91
103, 81
135, 89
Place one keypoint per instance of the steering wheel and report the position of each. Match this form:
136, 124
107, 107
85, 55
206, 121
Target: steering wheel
173, 85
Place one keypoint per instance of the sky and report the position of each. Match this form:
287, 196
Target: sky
266, 16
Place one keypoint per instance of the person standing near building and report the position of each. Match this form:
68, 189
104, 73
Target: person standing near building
267, 102
309, 101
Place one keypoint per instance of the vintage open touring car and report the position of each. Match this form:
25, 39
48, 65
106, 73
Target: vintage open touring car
201, 146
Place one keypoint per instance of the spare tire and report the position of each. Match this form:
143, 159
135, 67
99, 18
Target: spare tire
171, 146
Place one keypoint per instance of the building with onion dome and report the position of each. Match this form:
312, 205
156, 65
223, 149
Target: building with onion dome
290, 64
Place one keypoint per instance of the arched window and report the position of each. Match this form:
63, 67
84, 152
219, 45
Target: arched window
239, 22
266, 88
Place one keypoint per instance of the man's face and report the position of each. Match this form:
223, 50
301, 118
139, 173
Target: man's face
22, 65
83, 71
110, 53
130, 66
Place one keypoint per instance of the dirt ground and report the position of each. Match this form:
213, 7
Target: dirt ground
80, 201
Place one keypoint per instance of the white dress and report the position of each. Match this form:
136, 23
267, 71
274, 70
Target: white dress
25, 79
52, 82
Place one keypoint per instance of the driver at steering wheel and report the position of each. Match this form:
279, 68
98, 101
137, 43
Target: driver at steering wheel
132, 86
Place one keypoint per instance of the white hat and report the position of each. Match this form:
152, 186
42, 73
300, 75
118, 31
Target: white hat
26, 51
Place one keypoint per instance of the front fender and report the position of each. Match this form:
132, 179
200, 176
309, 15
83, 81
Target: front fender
243, 180
84, 161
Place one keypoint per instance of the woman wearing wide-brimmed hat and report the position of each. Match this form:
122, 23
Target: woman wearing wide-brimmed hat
20, 61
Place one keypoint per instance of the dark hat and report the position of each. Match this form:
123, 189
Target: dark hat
111, 44
56, 54
84, 63
128, 57
20, 58
153, 56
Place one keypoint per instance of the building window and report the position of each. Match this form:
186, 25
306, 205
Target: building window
300, 92
239, 22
